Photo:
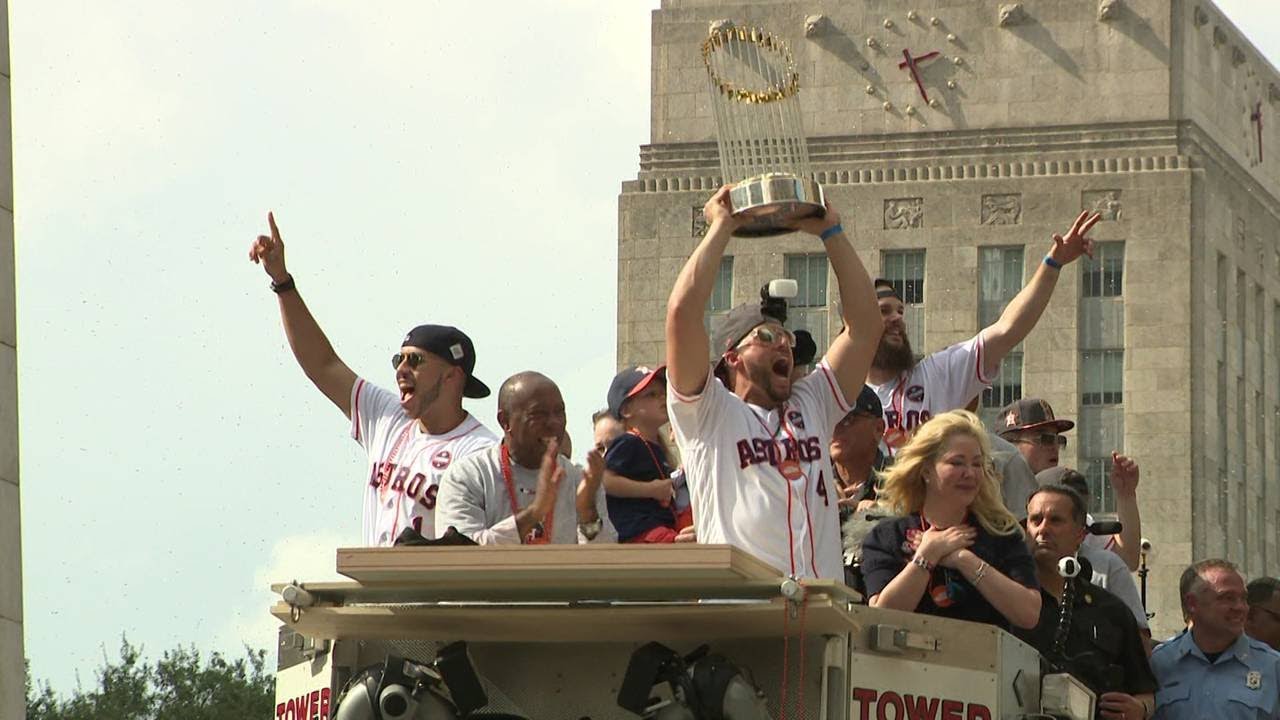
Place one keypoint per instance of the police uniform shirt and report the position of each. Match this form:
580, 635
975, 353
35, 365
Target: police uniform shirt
886, 550
1103, 648
1243, 683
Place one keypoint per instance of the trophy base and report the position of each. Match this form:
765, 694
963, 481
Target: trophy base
771, 204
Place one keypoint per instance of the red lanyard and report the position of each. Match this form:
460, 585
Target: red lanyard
536, 536
662, 472
384, 476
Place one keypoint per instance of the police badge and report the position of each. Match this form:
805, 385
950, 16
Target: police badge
1253, 680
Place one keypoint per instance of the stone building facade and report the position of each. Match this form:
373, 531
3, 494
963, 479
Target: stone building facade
1157, 113
12, 690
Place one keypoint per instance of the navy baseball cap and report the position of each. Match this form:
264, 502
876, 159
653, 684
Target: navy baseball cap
454, 347
631, 382
868, 403
806, 350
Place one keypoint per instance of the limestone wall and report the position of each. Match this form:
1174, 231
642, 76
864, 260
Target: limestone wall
12, 700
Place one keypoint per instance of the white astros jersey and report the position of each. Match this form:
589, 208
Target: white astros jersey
405, 463
942, 381
735, 456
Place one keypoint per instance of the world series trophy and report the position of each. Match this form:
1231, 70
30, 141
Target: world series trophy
755, 96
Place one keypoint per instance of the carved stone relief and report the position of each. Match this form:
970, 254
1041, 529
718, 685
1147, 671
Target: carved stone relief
1104, 202
1001, 209
698, 227
1237, 233
903, 213
1108, 10
1011, 14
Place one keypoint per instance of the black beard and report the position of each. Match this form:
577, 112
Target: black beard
895, 359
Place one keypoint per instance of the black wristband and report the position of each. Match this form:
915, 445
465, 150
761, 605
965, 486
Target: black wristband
283, 287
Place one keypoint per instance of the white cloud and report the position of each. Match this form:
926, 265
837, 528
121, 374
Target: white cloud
306, 558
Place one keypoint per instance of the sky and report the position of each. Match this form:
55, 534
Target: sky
426, 161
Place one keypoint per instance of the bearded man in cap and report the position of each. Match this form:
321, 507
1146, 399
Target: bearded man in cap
754, 442
411, 437
912, 392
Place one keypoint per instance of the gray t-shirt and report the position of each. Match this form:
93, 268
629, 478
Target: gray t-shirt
474, 499
1017, 482
1111, 574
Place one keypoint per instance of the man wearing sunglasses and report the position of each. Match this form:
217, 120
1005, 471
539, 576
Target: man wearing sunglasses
412, 436
1263, 620
754, 442
1029, 424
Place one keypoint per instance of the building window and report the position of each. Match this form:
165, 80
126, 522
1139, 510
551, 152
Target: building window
1242, 480
1104, 274
808, 311
1101, 379
1260, 437
904, 269
1000, 271
721, 295
1224, 486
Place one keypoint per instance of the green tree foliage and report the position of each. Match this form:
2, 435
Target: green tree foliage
179, 685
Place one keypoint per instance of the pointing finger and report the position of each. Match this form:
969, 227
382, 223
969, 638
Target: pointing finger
271, 220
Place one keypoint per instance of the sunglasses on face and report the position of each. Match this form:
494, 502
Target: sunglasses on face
1046, 440
769, 336
413, 359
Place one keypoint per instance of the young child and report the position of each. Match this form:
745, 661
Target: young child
637, 481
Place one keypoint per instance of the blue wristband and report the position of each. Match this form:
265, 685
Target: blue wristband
830, 232
1052, 263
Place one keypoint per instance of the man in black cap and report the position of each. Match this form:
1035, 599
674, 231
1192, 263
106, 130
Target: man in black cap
1030, 424
411, 437
855, 453
754, 443
912, 392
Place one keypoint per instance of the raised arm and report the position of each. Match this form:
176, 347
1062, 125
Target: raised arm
688, 349
310, 346
850, 354
1024, 310
1124, 481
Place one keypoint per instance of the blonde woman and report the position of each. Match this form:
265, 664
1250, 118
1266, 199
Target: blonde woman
956, 551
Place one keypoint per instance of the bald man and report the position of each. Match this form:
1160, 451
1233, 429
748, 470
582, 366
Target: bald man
523, 491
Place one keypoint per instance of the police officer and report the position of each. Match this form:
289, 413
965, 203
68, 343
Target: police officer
1213, 669
1096, 638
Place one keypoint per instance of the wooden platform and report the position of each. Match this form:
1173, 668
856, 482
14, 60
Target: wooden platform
606, 593
560, 573
664, 622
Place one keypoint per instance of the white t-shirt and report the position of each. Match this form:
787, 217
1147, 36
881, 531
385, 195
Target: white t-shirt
942, 381
734, 457
475, 500
405, 463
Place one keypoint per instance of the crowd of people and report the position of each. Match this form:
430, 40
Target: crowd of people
870, 468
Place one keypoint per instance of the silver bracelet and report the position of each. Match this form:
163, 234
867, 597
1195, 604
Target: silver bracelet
982, 571
920, 562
